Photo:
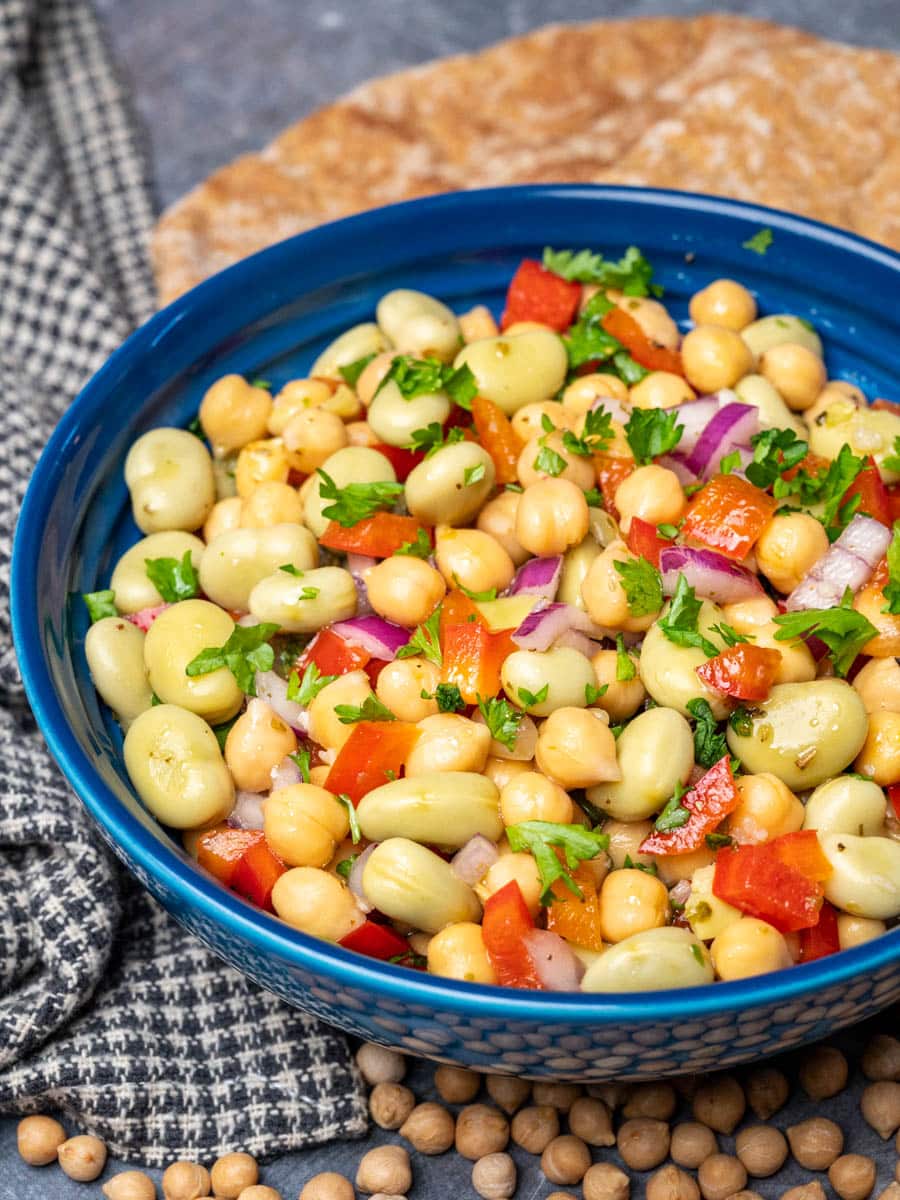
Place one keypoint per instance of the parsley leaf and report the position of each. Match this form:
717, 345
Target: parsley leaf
420, 548
290, 569
729, 463
593, 694
246, 652
356, 501
674, 815
531, 698
716, 841
643, 586
709, 745
652, 432
355, 831
304, 691
828, 488
774, 452
668, 531
625, 668
425, 640
596, 434
594, 498
473, 474
632, 274
173, 580
549, 461
760, 242
488, 594
448, 696
431, 438
100, 604
843, 630
501, 719
588, 341
345, 866
352, 371
301, 759
628, 370
577, 843
371, 709
680, 623
892, 587
424, 376
649, 868
729, 636
265, 384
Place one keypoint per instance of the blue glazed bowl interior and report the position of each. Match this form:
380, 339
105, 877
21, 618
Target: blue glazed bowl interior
269, 317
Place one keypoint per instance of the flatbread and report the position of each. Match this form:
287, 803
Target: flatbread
718, 103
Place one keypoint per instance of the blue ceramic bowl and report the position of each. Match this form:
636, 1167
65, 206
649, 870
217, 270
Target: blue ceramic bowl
269, 316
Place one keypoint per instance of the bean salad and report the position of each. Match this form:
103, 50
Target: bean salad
557, 655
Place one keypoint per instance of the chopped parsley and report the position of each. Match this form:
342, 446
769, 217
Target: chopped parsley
345, 866
594, 498
827, 488
709, 744
355, 832
760, 242
420, 548
697, 952
625, 668
448, 696
652, 432
304, 691
729, 636
577, 843
741, 721
529, 699
173, 580
306, 593
290, 569
300, 758
891, 462
628, 370
642, 584
425, 376
265, 384
649, 868
431, 438
587, 341
892, 587
487, 594
371, 709
593, 694
716, 841
425, 640
193, 426
472, 475
774, 452
356, 501
352, 371
100, 604
674, 815
843, 630
549, 462
501, 719
730, 462
632, 274
246, 651
668, 531
595, 436
679, 625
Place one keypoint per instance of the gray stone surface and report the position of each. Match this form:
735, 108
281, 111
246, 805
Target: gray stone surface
217, 78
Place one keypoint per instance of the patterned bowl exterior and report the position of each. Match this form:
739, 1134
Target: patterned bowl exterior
268, 317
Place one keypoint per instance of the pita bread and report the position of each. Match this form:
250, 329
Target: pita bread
719, 104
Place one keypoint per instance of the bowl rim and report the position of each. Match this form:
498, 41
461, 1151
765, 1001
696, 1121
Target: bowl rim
268, 935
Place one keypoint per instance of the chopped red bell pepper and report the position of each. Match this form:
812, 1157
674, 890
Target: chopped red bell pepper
332, 654
811, 464
611, 469
709, 802
759, 882
504, 925
874, 500
891, 406
145, 617
458, 609
893, 494
473, 657
373, 754
536, 294
577, 920
373, 669
625, 329
401, 459
803, 852
376, 941
822, 938
257, 873
645, 542
379, 536
242, 860
894, 796
728, 514
497, 436
744, 672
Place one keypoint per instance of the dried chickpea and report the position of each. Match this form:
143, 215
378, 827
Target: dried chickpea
378, 1064
852, 1176
762, 1149
622, 698
605, 1181
508, 1092
669, 1183
714, 357
878, 685
565, 1159
720, 1176
259, 1191
456, 1085
719, 1103
766, 810
498, 518
385, 1169
232, 1173
812, 1190
880, 1105
652, 493
631, 901
129, 1185
879, 758
82, 1158
481, 1130
400, 685
767, 1090
38, 1139
723, 302
795, 372
429, 1128
657, 1100
224, 515
233, 413
692, 1143
552, 516
259, 462
560, 1095
328, 1186
823, 1072
404, 589
535, 1128
576, 748
787, 548
881, 1058
494, 1177
590, 1120
184, 1180
661, 389
815, 1143
643, 1143
390, 1104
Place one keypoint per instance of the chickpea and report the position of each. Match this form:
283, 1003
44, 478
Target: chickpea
653, 318
38, 1139
583, 393
803, 1191
625, 838
577, 469
796, 372
692, 1143
224, 515
762, 1149
294, 397
852, 1176
749, 947
390, 1104
359, 433
560, 1095
316, 903
643, 1143
675, 867
257, 742
719, 1103
524, 743
788, 547
835, 391
767, 1091
880, 1105
879, 758
535, 1128
477, 323
605, 1181
519, 866
232, 1173
385, 1169
259, 462
565, 1159
233, 413
590, 1120
458, 952
472, 558
878, 685
533, 797
714, 357
378, 1064
528, 422
429, 1128
129, 1185
605, 597
870, 602
508, 1092
552, 516
823, 1072
652, 493
881, 1058
372, 374
185, 1181
272, 503
456, 1085
501, 770
448, 742
481, 1130
328, 1186
303, 823
720, 1176
325, 727
494, 1177
405, 589
259, 1191
723, 302
400, 686
815, 1143
576, 749
622, 698
311, 436
630, 902
498, 518
82, 1158
766, 810
661, 389
668, 1183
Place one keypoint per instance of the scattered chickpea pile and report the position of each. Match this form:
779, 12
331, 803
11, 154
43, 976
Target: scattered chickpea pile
585, 745
633, 1121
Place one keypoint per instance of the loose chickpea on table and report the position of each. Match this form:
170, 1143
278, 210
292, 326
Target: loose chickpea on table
469, 636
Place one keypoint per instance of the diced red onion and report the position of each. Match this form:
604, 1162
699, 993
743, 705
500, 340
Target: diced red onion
248, 811
145, 617
681, 892
273, 689
615, 408
381, 638
849, 563
357, 565
538, 577
694, 417
676, 462
572, 639
711, 575
544, 624
354, 880
473, 861
286, 774
557, 966
731, 427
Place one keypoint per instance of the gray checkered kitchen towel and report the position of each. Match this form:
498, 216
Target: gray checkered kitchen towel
109, 1011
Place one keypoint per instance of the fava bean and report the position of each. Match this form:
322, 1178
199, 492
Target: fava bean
170, 477
409, 883
392, 418
773, 412
419, 324
130, 581
450, 486
846, 805
776, 330
519, 370
669, 672
865, 878
353, 464
236, 561
655, 752
560, 675
175, 638
304, 604
443, 809
353, 344
655, 958
114, 649
865, 430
